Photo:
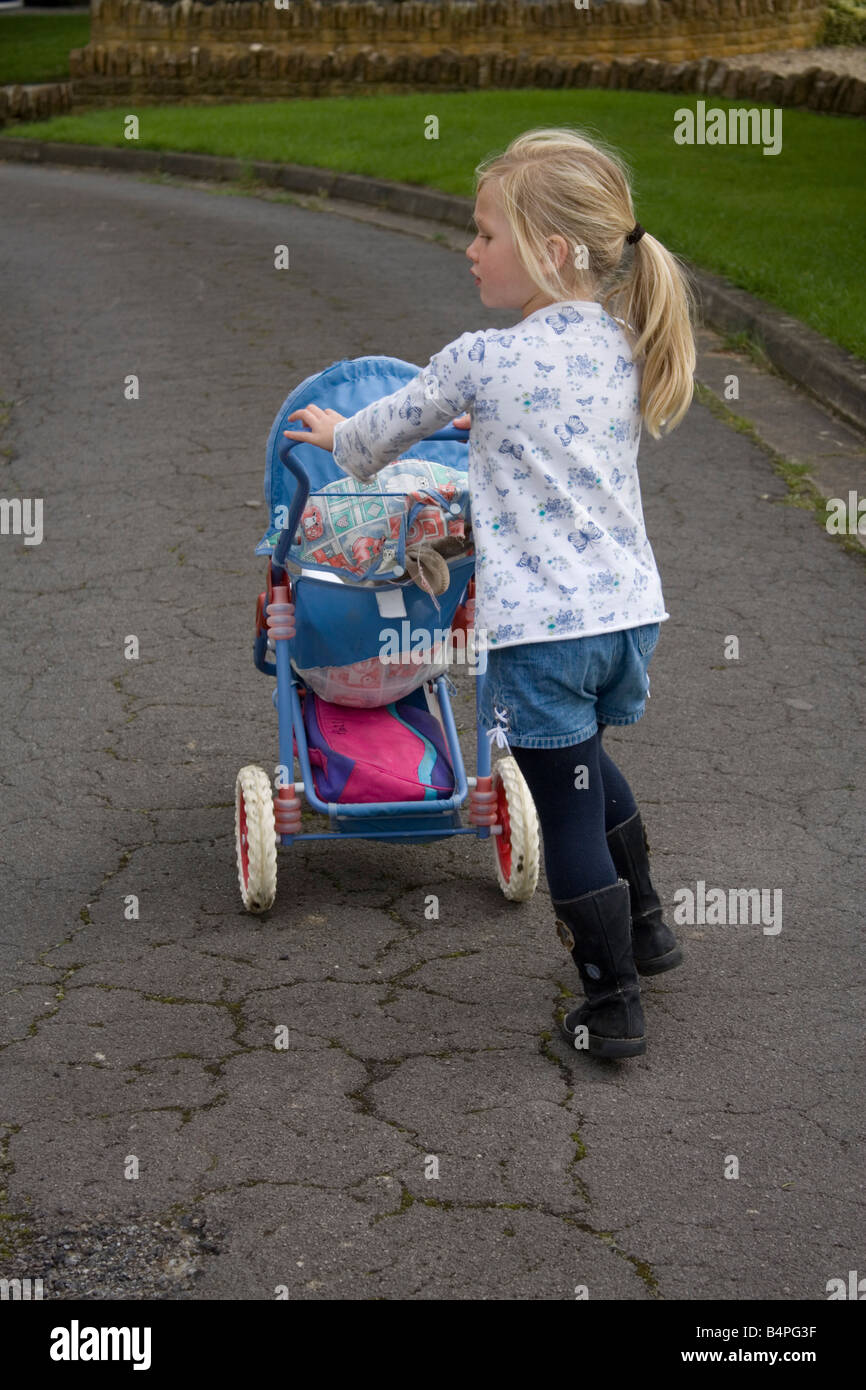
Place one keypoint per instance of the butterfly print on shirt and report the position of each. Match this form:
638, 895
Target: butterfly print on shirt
585, 535
560, 321
570, 430
530, 562
506, 447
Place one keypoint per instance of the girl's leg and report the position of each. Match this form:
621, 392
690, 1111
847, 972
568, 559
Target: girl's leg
592, 904
655, 947
571, 806
619, 803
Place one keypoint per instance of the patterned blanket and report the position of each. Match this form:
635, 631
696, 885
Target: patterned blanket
365, 529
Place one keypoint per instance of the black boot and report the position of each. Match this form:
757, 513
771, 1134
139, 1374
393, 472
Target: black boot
655, 946
597, 930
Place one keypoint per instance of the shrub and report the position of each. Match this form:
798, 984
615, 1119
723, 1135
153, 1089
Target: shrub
844, 23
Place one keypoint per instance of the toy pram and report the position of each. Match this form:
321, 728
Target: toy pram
349, 746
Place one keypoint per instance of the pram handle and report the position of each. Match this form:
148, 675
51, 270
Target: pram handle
302, 491
299, 501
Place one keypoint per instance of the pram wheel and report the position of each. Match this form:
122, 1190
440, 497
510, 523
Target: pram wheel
517, 846
255, 838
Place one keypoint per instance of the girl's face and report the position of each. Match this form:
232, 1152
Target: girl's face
501, 279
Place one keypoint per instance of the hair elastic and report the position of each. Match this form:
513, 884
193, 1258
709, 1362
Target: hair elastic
635, 234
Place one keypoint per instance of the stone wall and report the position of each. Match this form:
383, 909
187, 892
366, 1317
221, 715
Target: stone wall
257, 41
670, 29
35, 101
816, 88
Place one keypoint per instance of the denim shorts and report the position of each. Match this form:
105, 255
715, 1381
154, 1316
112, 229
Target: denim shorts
554, 694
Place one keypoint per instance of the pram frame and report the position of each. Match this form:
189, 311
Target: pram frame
500, 804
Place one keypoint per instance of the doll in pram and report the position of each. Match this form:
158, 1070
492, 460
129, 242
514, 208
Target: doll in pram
369, 592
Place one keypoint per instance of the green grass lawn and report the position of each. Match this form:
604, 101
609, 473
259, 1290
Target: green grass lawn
787, 227
35, 47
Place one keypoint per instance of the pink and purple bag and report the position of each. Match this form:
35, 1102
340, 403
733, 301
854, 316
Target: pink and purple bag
396, 752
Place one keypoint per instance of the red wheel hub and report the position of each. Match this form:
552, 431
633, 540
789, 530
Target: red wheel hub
503, 841
245, 849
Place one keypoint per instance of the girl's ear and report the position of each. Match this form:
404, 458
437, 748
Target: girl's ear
558, 250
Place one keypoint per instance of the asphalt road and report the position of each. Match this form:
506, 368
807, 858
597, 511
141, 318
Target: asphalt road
153, 1039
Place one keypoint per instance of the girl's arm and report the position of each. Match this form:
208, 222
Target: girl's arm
365, 442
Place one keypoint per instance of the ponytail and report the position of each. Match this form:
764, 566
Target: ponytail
656, 303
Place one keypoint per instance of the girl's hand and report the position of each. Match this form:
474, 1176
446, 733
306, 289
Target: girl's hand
320, 425
463, 422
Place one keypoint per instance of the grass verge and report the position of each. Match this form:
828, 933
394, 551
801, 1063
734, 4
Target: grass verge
787, 227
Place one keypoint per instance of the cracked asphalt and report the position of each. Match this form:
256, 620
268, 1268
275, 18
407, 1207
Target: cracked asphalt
148, 1044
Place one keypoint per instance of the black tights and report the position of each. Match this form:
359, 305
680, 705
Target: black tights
579, 794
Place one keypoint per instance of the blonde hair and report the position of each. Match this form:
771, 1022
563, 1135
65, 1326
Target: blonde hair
557, 182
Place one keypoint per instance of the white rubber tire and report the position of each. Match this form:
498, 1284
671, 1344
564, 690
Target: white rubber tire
519, 879
255, 839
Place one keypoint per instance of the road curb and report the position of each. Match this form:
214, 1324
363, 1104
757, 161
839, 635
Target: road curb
826, 371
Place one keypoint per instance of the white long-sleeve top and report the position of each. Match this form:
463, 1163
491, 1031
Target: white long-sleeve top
556, 510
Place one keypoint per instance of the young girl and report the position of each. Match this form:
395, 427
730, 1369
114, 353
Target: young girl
566, 584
